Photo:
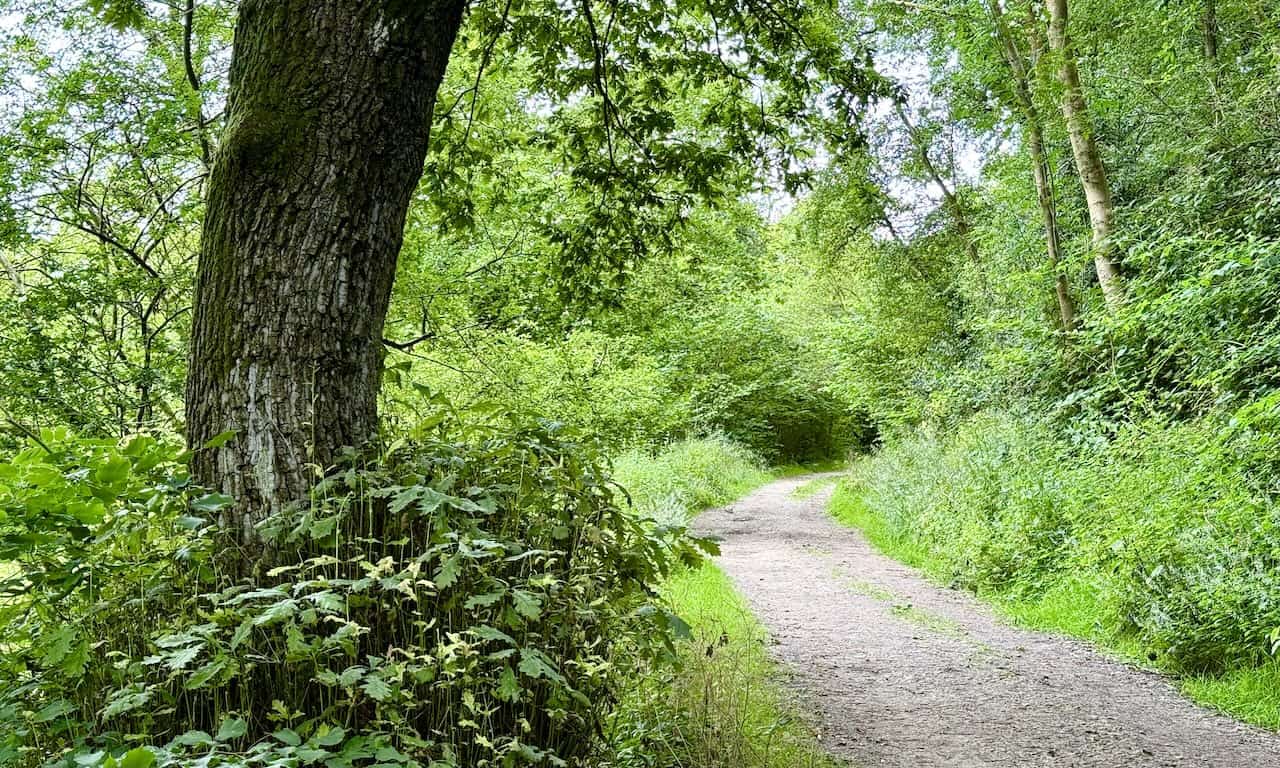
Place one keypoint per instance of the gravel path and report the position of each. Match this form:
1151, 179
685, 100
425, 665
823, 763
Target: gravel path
901, 672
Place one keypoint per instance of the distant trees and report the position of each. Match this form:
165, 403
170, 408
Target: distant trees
328, 123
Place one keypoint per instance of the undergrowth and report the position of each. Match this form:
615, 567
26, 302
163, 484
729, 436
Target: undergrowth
688, 476
1161, 543
475, 596
725, 704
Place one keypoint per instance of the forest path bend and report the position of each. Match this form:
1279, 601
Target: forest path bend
902, 672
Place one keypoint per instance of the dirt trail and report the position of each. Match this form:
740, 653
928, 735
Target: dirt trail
902, 672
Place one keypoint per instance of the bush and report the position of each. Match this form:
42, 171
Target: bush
472, 597
1174, 528
688, 476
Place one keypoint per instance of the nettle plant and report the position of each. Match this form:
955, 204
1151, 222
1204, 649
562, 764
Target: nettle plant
471, 597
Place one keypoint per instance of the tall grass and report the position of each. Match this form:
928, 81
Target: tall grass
688, 476
1161, 543
726, 706
725, 703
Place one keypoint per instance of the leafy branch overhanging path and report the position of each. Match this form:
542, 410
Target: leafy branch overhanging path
901, 672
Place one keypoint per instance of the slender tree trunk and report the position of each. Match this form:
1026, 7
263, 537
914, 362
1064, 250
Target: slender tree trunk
1093, 175
328, 117
1049, 214
1209, 40
1209, 34
1039, 161
953, 205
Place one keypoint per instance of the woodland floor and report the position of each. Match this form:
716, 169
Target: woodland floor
902, 672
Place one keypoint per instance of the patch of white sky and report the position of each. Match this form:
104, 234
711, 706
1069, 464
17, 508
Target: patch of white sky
958, 154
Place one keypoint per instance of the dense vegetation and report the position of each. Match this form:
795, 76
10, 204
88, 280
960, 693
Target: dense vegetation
1112, 473
399, 474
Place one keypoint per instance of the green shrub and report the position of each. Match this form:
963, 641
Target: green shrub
1173, 530
688, 476
473, 597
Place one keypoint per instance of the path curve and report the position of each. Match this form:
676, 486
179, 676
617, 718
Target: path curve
904, 673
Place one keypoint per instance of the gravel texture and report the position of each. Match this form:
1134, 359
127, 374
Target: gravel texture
902, 672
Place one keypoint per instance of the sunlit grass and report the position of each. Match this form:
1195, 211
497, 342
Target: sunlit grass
813, 487
793, 469
848, 508
1078, 605
1252, 695
726, 705
688, 476
736, 711
1075, 606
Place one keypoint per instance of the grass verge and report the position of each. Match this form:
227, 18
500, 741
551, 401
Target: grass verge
813, 487
725, 704
1074, 604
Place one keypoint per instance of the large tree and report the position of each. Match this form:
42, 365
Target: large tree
328, 114
327, 127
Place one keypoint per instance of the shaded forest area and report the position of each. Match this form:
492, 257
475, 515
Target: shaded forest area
329, 328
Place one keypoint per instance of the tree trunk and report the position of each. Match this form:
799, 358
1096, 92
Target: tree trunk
1209, 37
1039, 162
328, 117
1212, 60
1093, 176
1049, 214
963, 226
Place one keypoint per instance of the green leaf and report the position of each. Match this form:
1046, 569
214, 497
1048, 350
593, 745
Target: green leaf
535, 664
527, 605
125, 701
447, 576
210, 503
485, 600
508, 686
486, 632
679, 627
57, 645
328, 736
140, 757
377, 688
120, 15
232, 728
180, 658
195, 739
288, 737
206, 673
53, 710
351, 675
219, 440
115, 470
312, 754
242, 633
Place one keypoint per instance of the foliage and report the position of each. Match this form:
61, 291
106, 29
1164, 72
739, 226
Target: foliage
725, 703
1165, 536
687, 477
101, 172
473, 597
712, 338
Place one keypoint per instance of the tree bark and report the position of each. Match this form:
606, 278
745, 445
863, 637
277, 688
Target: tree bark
1039, 162
1093, 175
328, 118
